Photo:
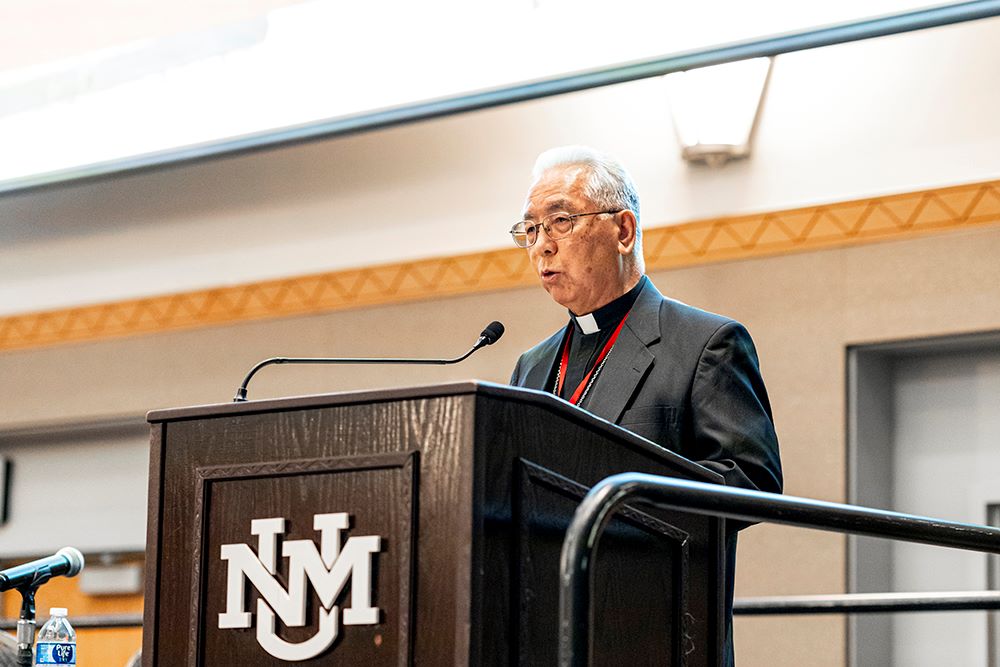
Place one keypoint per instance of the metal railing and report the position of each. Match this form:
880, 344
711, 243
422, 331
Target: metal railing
868, 603
97, 621
606, 496
847, 603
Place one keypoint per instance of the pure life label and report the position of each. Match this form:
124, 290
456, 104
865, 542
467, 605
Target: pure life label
55, 654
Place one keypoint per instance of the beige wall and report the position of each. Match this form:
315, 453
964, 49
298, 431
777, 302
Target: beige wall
803, 310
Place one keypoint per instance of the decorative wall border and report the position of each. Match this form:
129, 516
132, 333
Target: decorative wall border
849, 223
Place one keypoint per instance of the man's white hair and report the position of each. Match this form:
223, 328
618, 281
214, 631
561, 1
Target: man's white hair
608, 183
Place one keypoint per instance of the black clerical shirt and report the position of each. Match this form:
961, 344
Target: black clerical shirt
591, 333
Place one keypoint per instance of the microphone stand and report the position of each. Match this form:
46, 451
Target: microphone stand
241, 393
26, 621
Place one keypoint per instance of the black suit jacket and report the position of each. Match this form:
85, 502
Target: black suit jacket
684, 378
689, 381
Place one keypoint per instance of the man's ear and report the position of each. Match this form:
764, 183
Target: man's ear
627, 228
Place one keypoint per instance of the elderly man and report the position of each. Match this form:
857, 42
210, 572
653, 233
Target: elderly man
684, 378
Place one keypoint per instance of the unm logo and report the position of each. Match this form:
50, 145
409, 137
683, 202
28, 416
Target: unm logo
327, 570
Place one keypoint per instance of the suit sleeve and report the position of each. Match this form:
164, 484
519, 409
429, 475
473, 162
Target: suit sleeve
733, 427
515, 377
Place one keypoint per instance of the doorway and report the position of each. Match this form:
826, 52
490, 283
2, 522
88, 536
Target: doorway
923, 438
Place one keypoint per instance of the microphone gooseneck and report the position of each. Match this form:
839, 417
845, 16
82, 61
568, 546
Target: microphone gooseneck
491, 334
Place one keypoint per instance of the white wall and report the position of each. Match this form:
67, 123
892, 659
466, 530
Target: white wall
882, 116
83, 486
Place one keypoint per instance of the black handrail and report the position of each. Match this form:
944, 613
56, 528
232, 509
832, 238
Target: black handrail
96, 621
868, 603
702, 498
840, 603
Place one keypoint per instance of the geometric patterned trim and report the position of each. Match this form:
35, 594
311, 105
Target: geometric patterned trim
894, 217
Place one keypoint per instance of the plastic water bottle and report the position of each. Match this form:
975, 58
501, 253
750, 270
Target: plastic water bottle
56, 643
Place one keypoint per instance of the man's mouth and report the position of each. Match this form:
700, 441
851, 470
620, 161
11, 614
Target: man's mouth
548, 274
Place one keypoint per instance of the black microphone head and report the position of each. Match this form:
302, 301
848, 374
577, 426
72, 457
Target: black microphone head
492, 332
75, 559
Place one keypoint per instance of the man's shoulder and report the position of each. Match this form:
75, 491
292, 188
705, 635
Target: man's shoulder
531, 369
683, 318
679, 311
546, 346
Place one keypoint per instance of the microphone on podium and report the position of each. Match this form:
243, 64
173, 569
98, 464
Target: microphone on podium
489, 335
66, 562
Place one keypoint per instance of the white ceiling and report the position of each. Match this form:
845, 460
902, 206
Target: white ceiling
186, 74
34, 32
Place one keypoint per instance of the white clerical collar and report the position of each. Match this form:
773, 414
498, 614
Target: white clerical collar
587, 323
610, 314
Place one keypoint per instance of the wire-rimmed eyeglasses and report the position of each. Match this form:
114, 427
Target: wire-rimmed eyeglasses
556, 225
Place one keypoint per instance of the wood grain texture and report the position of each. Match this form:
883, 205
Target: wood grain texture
154, 519
273, 462
227, 497
471, 487
534, 459
838, 224
635, 549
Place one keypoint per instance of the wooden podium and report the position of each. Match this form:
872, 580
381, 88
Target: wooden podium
413, 526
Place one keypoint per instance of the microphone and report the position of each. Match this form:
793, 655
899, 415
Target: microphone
489, 335
67, 562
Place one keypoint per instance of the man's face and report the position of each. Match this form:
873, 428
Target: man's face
583, 271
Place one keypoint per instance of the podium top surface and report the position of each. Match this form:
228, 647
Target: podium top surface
232, 408
530, 397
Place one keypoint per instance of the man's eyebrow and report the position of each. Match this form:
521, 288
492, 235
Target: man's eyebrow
551, 207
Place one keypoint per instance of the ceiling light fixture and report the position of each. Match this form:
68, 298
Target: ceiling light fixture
715, 109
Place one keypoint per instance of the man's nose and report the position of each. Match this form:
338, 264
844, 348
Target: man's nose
544, 243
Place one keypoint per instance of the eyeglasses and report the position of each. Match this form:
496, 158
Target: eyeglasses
556, 225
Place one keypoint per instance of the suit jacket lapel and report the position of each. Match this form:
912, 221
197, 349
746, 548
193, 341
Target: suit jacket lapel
629, 360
